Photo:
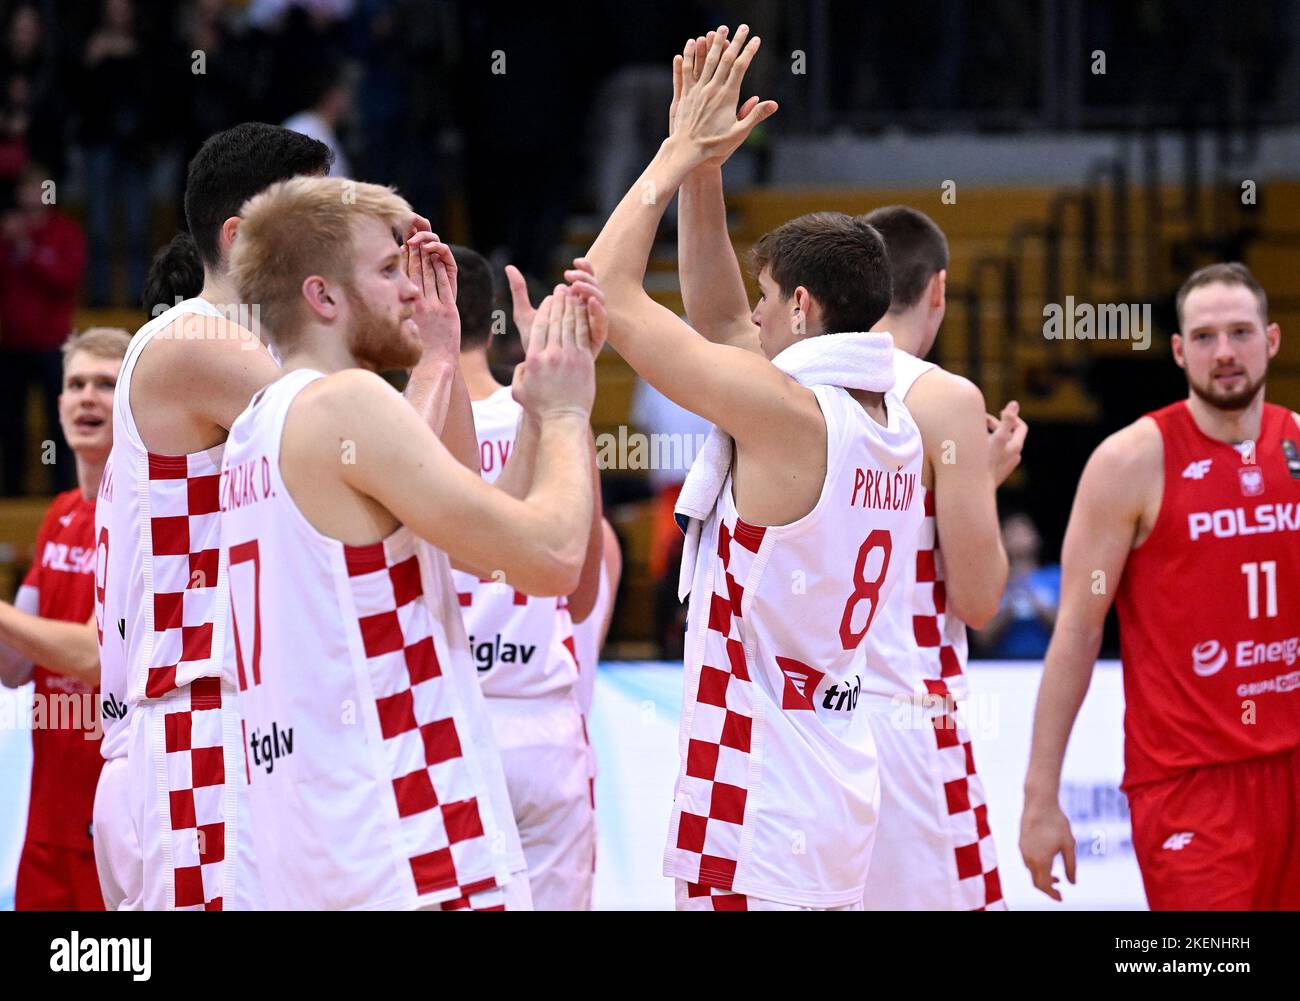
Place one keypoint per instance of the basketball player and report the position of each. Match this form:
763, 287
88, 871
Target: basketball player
523, 646
792, 513
1190, 517
171, 836
933, 816
375, 782
38, 641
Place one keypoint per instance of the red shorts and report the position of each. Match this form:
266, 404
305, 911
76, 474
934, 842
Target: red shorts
1221, 837
52, 878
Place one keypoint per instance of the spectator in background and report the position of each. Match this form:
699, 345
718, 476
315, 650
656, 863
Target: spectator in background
42, 263
1023, 625
321, 119
115, 96
221, 94
31, 110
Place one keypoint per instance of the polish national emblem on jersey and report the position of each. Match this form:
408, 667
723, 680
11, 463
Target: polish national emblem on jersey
1252, 481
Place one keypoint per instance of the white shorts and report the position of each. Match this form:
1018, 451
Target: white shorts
934, 849
514, 896
548, 765
697, 897
117, 846
188, 795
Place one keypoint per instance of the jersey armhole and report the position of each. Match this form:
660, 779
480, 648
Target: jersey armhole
1162, 516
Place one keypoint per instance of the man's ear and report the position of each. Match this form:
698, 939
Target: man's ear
1176, 346
320, 297
1273, 335
810, 310
938, 288
229, 229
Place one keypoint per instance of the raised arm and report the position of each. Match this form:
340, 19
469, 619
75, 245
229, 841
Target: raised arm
949, 411
540, 542
436, 388
737, 390
1103, 526
713, 288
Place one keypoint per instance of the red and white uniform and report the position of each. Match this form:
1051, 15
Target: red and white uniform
523, 650
57, 867
163, 652
1209, 612
778, 794
934, 847
374, 781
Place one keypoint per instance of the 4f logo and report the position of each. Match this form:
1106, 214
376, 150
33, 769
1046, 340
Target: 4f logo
1197, 469
1177, 842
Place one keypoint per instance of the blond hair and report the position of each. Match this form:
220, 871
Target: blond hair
109, 343
299, 228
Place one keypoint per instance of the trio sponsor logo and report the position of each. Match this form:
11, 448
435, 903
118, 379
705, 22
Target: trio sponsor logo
1197, 469
801, 683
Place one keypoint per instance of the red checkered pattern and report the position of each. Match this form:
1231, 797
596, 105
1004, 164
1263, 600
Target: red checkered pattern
940, 658
978, 885
444, 835
196, 783
490, 898
184, 538
940, 661
709, 812
698, 897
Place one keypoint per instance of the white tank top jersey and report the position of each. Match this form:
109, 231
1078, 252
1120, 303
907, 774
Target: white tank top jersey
159, 582
522, 645
778, 792
374, 779
918, 648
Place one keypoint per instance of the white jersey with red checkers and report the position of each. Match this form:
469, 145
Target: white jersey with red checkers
934, 846
777, 796
374, 779
159, 586
522, 645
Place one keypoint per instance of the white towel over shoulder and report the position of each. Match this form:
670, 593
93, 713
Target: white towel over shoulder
853, 360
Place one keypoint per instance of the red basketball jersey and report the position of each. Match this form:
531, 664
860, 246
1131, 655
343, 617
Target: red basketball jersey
1209, 604
65, 734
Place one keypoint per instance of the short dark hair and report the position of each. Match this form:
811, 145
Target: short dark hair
232, 166
176, 273
475, 296
918, 250
840, 260
1231, 273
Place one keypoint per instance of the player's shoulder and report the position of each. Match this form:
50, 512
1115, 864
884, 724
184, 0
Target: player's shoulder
942, 403
937, 387
1136, 449
352, 397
